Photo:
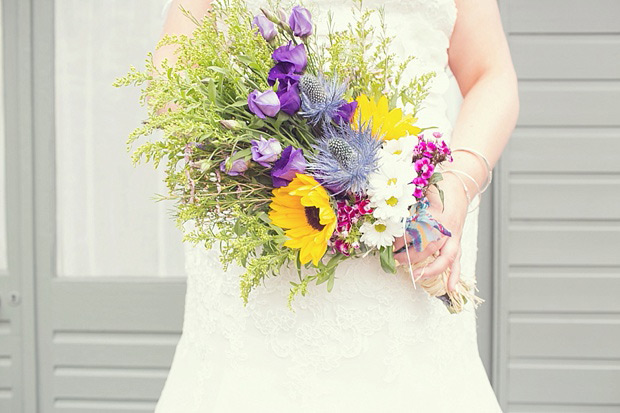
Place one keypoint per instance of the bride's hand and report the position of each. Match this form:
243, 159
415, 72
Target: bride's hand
453, 218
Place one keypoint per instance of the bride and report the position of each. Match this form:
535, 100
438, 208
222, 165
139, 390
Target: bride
375, 342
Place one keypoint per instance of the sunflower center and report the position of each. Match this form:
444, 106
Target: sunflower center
312, 216
392, 201
380, 227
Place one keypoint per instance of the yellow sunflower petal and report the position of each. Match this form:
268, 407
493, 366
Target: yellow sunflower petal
287, 210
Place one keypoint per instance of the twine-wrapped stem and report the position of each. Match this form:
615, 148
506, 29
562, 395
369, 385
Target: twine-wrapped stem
438, 287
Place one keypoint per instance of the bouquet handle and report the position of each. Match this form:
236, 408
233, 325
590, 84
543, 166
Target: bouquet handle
438, 287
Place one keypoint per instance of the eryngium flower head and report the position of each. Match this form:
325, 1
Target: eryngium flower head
320, 98
344, 158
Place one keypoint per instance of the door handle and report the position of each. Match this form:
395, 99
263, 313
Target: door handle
14, 299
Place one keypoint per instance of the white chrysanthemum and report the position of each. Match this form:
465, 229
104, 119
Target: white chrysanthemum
391, 179
380, 233
400, 149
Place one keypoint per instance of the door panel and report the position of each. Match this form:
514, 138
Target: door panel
109, 259
557, 211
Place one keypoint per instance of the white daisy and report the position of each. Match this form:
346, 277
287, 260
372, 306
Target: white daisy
391, 179
401, 149
380, 233
394, 207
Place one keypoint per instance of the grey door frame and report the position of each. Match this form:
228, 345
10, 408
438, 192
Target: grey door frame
19, 138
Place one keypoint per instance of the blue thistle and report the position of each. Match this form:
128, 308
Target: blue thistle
344, 158
320, 98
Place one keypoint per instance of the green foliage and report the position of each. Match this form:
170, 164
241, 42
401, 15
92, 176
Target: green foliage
386, 258
361, 54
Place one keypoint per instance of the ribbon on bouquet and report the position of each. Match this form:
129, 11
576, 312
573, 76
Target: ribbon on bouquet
423, 229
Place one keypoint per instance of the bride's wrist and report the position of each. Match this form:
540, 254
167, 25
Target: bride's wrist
474, 174
455, 194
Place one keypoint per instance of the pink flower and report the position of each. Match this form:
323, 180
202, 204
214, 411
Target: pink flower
418, 193
342, 247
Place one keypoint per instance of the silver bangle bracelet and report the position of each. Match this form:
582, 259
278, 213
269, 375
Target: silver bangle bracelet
454, 172
486, 163
465, 174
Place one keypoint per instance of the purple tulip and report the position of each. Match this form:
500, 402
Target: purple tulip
300, 22
238, 167
290, 99
345, 112
289, 53
266, 28
290, 163
283, 72
265, 151
264, 104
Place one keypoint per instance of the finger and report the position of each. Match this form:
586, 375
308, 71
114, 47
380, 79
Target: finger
416, 256
399, 242
446, 258
455, 273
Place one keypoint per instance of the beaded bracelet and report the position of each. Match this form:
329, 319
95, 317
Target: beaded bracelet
486, 162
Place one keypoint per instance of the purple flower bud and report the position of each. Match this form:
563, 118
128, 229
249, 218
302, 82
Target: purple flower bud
238, 167
290, 164
282, 72
300, 22
281, 15
265, 151
264, 104
290, 100
289, 53
269, 15
345, 112
266, 28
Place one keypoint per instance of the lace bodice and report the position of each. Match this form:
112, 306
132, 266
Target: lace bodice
370, 318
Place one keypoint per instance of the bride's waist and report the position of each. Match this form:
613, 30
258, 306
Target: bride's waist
360, 278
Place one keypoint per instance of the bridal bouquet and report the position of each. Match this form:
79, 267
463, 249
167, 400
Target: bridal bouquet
287, 152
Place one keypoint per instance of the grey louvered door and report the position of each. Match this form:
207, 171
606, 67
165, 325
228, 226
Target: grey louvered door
558, 211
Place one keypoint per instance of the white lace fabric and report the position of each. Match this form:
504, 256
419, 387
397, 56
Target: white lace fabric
374, 343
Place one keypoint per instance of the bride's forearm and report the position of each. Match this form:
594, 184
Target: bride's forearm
485, 122
479, 57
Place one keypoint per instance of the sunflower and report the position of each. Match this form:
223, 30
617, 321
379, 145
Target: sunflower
386, 124
303, 209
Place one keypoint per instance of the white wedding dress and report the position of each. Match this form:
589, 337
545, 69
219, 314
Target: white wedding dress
375, 343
